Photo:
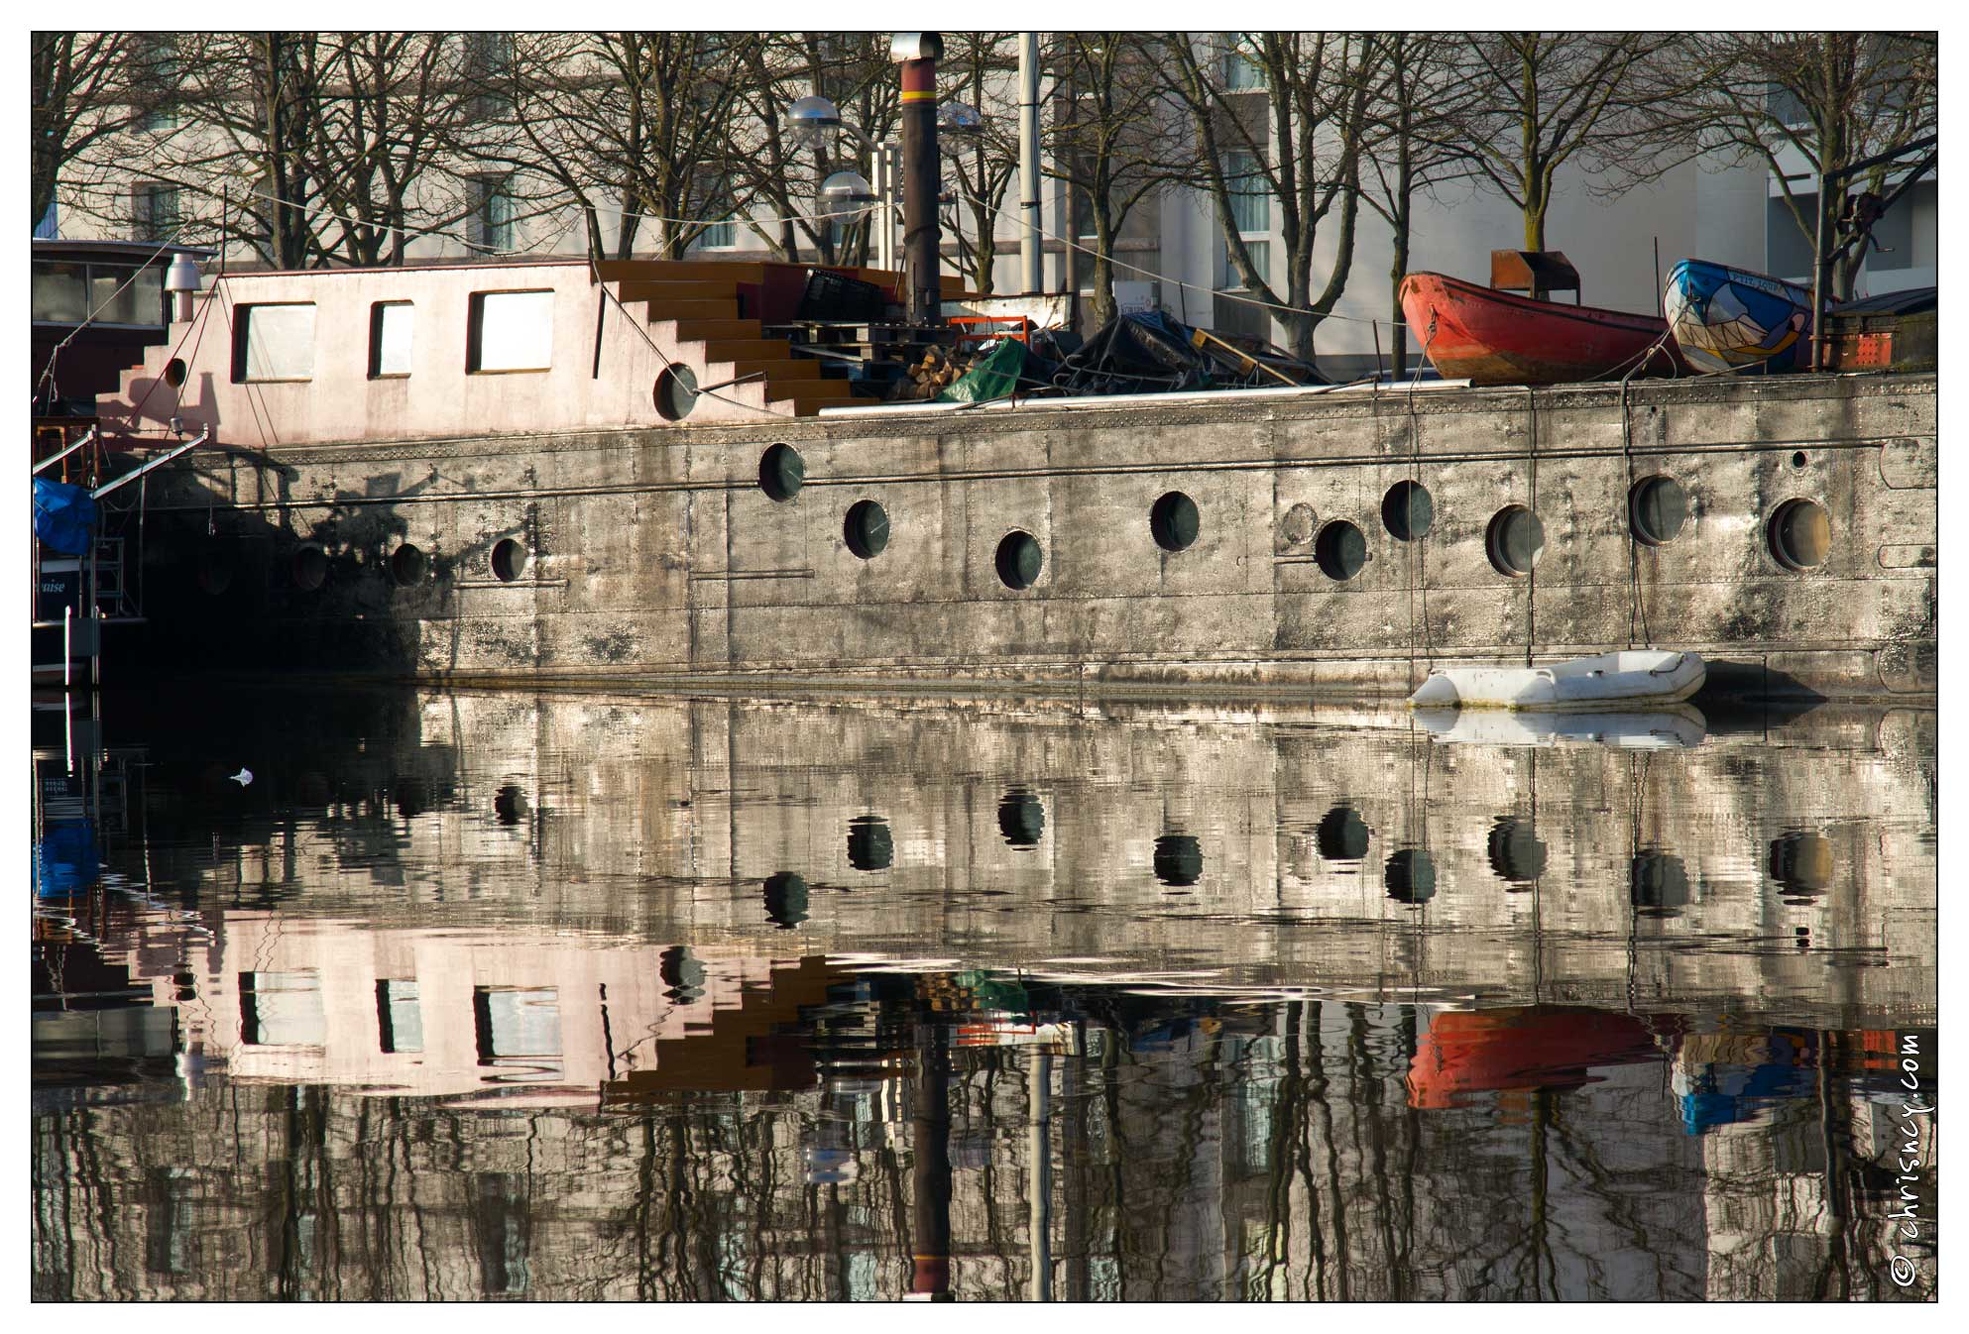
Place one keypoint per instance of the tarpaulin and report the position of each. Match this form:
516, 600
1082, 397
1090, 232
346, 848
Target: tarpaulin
995, 375
64, 516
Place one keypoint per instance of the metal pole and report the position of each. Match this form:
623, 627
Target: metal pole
1029, 163
1818, 280
930, 1235
922, 239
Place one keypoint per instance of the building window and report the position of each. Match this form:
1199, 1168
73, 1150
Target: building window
1242, 72
511, 331
50, 225
154, 214
489, 64
390, 325
491, 224
274, 342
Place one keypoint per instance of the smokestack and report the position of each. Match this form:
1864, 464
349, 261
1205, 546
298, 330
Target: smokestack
922, 239
1029, 161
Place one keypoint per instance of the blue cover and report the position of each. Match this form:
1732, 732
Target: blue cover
1726, 318
64, 517
65, 861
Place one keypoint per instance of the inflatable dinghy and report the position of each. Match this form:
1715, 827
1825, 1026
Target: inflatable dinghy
1609, 682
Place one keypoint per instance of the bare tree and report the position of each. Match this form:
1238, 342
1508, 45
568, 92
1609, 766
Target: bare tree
985, 164
86, 88
1296, 113
1417, 98
1109, 139
1831, 99
1544, 99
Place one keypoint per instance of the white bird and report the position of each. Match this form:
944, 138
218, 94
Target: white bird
243, 777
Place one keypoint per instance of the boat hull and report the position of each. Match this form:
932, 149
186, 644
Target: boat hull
1489, 337
1727, 319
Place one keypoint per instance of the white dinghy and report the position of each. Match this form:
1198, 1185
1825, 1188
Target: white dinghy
1631, 679
1672, 727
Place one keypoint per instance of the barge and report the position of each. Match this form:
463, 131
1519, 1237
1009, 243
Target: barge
487, 474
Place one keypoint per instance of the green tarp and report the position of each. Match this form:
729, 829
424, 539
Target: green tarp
996, 376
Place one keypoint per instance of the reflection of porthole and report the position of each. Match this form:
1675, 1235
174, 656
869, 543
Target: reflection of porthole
509, 804
1656, 508
1340, 550
1408, 510
1021, 818
786, 900
508, 560
1801, 863
1517, 854
1174, 522
1178, 860
309, 568
1800, 535
1411, 877
1514, 540
870, 845
1657, 884
1019, 560
866, 529
782, 472
1342, 835
408, 564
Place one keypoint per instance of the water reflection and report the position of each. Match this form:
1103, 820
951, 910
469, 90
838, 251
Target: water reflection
622, 1034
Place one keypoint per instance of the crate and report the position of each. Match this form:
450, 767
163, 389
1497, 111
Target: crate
835, 296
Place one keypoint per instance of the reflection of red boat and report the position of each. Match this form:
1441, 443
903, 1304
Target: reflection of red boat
1545, 1046
1492, 337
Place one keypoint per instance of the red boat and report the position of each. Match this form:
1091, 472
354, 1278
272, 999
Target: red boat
1488, 336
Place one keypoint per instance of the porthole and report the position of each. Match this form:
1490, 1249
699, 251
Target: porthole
1800, 534
509, 558
870, 845
1798, 458
1173, 521
309, 568
866, 529
1295, 527
175, 372
786, 900
1340, 550
1656, 508
1019, 560
408, 564
781, 472
676, 392
1411, 877
1178, 860
1407, 510
215, 573
1514, 541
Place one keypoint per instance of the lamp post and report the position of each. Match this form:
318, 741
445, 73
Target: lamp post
811, 120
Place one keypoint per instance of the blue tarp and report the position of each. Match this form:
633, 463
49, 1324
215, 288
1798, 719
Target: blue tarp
65, 861
64, 517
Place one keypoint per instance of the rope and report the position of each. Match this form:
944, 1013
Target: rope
1531, 573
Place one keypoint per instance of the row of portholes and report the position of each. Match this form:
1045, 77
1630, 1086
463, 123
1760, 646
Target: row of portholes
1799, 532
309, 566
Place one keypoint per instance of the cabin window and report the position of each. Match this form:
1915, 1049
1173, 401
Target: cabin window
866, 529
69, 293
1340, 550
1514, 541
511, 331
390, 325
1174, 522
1019, 560
1801, 535
274, 342
61, 293
1407, 510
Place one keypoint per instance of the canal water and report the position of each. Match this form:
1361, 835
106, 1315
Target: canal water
410, 994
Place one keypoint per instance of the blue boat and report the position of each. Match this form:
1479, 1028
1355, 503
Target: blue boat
1729, 319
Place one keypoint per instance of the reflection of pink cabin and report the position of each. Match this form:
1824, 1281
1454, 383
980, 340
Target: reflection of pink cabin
342, 355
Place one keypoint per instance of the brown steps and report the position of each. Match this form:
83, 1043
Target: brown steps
811, 396
744, 349
704, 331
682, 270
724, 308
660, 295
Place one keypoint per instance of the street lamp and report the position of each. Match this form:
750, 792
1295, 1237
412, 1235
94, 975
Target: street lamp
811, 120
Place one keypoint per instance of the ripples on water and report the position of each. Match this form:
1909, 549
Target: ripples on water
563, 996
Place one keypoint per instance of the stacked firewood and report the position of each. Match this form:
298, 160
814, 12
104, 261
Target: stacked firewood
937, 371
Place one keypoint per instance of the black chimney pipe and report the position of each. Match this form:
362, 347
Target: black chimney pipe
922, 238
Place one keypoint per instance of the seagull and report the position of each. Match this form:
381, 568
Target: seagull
243, 777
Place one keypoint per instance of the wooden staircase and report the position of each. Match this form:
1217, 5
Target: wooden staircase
695, 304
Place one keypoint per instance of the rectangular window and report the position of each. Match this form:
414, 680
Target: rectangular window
1250, 191
516, 1023
399, 1020
154, 214
118, 296
390, 324
511, 331
274, 342
50, 225
492, 213
281, 1009
61, 292
1241, 69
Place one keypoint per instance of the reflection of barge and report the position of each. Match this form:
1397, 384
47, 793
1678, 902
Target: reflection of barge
467, 472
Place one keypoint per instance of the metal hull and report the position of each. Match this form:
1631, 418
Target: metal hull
1490, 337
